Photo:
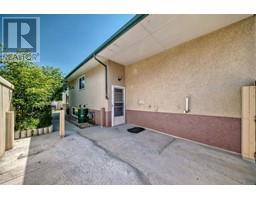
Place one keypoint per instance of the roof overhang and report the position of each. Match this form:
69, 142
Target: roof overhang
86, 64
82, 68
147, 35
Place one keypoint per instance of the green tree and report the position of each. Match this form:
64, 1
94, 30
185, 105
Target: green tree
35, 88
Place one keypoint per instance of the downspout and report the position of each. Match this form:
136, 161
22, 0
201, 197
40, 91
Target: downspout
106, 75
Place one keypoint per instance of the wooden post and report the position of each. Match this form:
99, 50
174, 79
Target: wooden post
248, 122
9, 139
62, 123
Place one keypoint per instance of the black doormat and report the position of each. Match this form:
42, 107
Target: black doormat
135, 129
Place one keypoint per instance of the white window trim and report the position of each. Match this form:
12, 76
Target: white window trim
78, 82
72, 112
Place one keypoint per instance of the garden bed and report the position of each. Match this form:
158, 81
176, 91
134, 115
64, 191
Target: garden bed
32, 132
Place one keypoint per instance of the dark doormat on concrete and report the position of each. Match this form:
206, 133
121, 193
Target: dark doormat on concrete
135, 129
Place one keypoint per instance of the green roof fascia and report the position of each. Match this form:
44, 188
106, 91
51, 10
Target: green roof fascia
136, 19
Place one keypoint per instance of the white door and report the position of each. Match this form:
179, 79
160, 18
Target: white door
118, 105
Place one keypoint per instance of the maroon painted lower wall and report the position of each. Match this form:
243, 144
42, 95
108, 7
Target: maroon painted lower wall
222, 132
97, 117
108, 118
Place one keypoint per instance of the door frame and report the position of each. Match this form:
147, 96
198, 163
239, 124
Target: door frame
112, 103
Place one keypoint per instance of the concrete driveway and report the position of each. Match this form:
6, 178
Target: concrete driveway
114, 156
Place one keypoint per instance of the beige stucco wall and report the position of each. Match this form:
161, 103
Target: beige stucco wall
115, 71
5, 105
210, 69
94, 93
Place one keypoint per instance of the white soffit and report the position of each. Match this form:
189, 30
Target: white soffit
85, 67
157, 33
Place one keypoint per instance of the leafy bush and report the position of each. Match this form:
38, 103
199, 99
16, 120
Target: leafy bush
35, 88
29, 123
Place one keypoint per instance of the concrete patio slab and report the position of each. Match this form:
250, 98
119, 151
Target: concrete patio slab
102, 134
48, 159
114, 156
167, 160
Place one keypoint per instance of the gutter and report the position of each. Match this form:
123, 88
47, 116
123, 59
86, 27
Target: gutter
135, 20
106, 75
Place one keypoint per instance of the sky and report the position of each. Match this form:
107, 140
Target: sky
65, 40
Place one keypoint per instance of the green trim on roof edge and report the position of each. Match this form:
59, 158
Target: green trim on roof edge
132, 22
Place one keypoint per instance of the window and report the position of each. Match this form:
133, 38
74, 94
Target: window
118, 102
74, 111
81, 83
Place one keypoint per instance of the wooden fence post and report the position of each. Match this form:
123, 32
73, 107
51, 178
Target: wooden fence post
62, 123
9, 139
248, 150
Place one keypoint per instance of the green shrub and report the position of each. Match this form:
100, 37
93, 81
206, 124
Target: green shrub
29, 123
35, 88
45, 117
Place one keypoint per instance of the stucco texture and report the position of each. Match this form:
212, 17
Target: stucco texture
93, 95
210, 70
116, 77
